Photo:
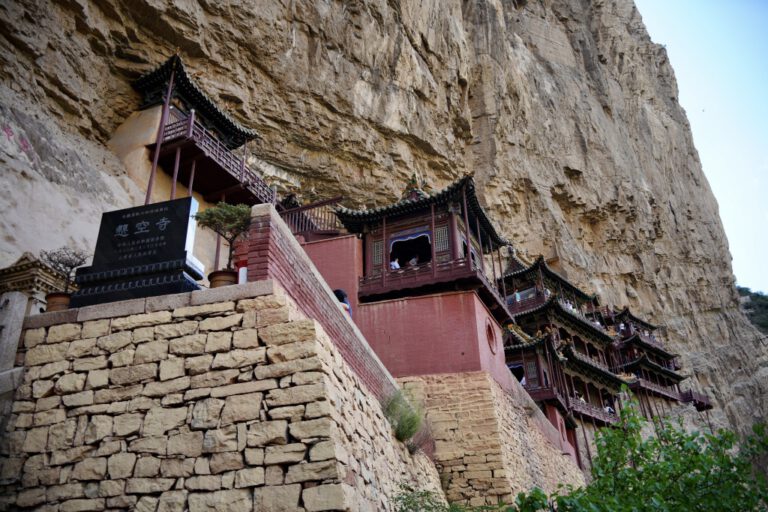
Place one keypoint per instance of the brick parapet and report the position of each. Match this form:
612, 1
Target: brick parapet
274, 253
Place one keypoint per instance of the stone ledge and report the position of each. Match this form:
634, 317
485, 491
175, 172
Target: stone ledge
11, 379
151, 304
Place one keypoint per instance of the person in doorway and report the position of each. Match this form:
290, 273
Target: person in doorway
413, 261
342, 297
607, 408
394, 264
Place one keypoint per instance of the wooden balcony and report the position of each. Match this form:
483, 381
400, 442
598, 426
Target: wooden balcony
526, 304
663, 391
544, 394
699, 400
218, 172
430, 278
314, 221
587, 410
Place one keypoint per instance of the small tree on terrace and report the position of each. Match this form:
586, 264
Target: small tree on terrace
230, 221
65, 261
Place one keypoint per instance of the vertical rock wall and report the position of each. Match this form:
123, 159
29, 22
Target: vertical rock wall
565, 110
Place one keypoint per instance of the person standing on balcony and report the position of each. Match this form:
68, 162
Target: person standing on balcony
413, 261
394, 264
517, 295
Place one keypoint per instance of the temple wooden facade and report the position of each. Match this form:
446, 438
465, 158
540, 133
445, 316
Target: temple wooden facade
430, 243
414, 259
572, 355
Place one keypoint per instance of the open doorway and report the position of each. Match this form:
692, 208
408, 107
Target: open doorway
517, 370
411, 251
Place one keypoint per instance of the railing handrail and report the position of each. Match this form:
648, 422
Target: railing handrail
659, 388
312, 206
235, 166
591, 409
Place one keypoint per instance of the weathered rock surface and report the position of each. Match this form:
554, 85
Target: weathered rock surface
566, 112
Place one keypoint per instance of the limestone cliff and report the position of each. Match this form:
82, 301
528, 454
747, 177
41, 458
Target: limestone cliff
565, 110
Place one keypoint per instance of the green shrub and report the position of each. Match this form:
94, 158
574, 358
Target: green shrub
403, 416
673, 471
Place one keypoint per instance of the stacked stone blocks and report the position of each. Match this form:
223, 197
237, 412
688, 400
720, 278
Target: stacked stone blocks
238, 404
489, 443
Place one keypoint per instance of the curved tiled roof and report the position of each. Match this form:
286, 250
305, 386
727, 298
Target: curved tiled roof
354, 220
626, 313
558, 308
586, 365
522, 339
540, 263
635, 338
152, 85
644, 361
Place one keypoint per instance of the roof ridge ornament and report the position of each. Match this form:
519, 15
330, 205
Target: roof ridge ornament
414, 189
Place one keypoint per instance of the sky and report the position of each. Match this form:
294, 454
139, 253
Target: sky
719, 51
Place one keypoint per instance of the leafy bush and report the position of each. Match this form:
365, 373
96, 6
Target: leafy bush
756, 309
403, 416
230, 221
673, 471
65, 260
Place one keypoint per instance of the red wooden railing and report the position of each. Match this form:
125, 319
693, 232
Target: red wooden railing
700, 400
527, 303
592, 410
663, 390
313, 218
221, 154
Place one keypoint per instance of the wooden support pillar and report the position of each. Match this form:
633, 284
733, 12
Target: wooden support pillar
434, 239
480, 243
501, 273
192, 177
468, 254
586, 444
160, 134
493, 265
175, 172
384, 251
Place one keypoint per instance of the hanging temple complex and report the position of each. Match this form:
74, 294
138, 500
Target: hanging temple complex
268, 395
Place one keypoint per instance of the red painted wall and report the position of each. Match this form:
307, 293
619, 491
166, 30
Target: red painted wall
340, 262
441, 333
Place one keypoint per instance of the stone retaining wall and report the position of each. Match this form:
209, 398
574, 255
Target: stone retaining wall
490, 444
228, 399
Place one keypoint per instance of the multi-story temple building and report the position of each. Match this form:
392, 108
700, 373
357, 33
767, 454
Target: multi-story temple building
424, 278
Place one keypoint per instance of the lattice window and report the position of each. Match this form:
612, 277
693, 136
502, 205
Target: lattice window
441, 239
378, 252
531, 374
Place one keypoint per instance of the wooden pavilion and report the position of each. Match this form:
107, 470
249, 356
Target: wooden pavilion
429, 243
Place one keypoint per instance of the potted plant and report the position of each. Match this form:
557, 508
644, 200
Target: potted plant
231, 222
65, 261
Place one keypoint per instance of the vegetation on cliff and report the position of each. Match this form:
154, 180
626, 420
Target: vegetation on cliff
671, 471
755, 306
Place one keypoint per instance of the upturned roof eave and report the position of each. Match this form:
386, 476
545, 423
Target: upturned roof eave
354, 220
540, 262
159, 76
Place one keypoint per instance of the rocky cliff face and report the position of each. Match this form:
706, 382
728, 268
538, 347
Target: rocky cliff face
565, 111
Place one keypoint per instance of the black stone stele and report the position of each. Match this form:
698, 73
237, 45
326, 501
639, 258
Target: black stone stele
142, 252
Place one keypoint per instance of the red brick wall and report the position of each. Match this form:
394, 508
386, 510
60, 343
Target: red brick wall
340, 262
273, 253
440, 333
